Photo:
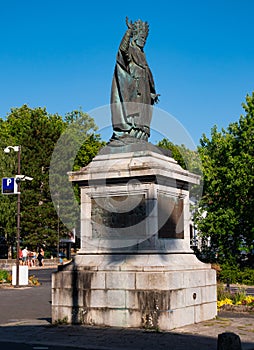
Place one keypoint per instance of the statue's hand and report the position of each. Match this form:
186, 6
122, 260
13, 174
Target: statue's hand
129, 24
155, 98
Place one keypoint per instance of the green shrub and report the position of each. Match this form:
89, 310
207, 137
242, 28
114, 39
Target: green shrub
47, 254
233, 274
238, 296
229, 273
246, 276
5, 276
222, 293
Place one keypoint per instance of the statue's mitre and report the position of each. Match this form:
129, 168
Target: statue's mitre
140, 27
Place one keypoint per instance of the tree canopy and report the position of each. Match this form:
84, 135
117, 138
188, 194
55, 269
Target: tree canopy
225, 214
38, 132
52, 145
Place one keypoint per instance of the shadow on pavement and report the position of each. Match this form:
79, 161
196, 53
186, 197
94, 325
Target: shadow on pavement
87, 337
25, 317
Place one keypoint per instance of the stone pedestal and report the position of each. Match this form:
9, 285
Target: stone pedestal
135, 267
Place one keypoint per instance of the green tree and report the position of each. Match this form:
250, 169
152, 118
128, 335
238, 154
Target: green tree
8, 203
175, 150
75, 148
189, 160
38, 133
228, 200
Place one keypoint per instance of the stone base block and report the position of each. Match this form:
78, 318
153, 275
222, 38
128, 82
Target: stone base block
136, 297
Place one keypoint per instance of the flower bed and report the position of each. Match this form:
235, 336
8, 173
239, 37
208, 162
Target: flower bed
237, 301
6, 279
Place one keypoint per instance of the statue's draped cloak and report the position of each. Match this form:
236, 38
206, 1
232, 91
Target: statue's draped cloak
132, 82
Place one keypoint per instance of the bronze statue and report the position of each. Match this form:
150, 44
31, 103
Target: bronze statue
133, 91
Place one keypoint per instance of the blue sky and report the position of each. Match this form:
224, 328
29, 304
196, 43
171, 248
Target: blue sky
60, 54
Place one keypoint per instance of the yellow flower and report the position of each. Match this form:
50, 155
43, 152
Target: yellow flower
249, 299
226, 301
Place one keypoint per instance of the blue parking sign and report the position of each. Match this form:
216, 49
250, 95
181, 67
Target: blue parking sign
9, 185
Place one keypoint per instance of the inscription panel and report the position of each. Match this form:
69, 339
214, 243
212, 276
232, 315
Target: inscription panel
116, 216
170, 217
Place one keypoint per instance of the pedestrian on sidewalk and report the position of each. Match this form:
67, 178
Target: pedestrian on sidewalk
20, 256
40, 257
24, 256
32, 259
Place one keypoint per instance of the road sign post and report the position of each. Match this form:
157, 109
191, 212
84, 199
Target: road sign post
12, 186
9, 185
16, 189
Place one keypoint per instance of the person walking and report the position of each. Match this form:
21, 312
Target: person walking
20, 256
24, 256
40, 257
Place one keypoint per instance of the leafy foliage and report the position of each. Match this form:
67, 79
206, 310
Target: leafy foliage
228, 200
5, 276
188, 160
38, 132
234, 274
176, 152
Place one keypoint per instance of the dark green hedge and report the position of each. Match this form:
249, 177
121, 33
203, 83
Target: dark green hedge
233, 274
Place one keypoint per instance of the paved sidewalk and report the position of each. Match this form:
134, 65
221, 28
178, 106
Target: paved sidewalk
25, 316
202, 336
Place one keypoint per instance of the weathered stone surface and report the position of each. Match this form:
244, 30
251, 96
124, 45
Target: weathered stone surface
205, 311
132, 277
158, 299
133, 164
98, 280
193, 296
195, 278
121, 280
209, 293
177, 298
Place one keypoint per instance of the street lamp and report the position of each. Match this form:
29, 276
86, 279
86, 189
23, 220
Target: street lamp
18, 179
58, 231
7, 150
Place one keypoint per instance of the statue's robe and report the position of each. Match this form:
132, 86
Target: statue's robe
132, 87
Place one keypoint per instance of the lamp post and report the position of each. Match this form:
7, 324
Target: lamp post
58, 231
7, 150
